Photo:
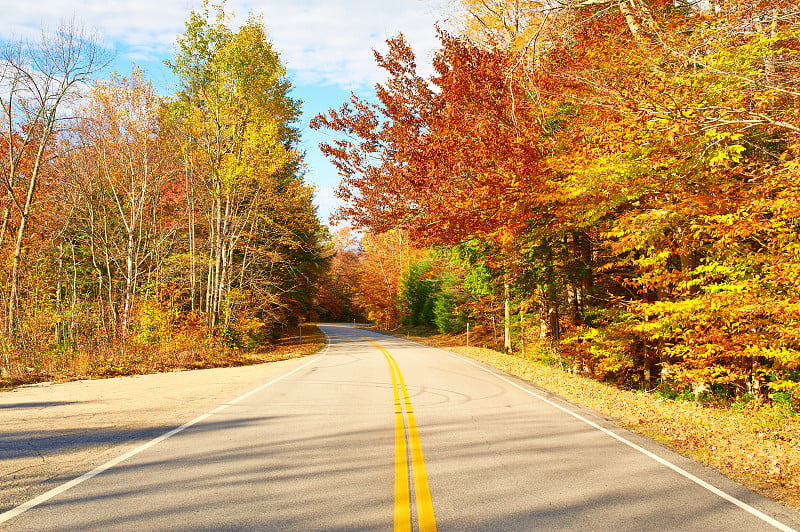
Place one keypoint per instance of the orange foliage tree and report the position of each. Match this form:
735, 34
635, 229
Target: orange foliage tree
629, 167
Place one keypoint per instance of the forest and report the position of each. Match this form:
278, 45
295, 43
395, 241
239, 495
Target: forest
140, 232
611, 186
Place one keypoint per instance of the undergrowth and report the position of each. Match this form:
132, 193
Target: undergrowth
180, 352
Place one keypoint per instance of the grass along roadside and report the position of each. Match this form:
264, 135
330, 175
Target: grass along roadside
756, 444
163, 358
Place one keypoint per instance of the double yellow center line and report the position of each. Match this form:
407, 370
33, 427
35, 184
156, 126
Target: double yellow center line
403, 462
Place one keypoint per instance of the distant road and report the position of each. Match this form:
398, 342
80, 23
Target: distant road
376, 433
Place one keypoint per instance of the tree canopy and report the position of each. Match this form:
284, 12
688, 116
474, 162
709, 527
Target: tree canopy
628, 168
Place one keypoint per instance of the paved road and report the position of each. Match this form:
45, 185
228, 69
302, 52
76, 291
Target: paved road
378, 432
51, 433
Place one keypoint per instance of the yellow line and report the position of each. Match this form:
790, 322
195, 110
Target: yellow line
422, 493
402, 505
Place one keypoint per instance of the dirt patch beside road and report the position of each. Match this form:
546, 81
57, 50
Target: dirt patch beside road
51, 433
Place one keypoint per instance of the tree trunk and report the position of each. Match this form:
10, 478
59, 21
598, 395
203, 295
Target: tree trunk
494, 330
582, 279
553, 325
769, 59
106, 255
59, 295
688, 264
588, 262
191, 228
13, 298
542, 291
650, 356
647, 369
97, 270
126, 305
507, 319
215, 265
74, 302
4, 228
553, 318
210, 265
753, 382
630, 20
572, 302
223, 261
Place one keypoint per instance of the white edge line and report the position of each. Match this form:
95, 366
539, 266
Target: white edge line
730, 498
24, 507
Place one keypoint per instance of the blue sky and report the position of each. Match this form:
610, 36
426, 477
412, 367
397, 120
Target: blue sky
326, 45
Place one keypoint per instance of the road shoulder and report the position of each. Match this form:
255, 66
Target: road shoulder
51, 433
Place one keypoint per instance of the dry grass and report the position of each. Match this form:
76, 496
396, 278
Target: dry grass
182, 353
754, 443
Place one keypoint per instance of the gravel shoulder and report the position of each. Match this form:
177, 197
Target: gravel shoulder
51, 433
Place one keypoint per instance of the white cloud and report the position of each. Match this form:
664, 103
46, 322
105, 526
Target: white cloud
323, 42
332, 42
145, 24
326, 201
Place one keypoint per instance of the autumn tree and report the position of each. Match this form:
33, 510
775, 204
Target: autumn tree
454, 159
240, 150
217, 118
385, 258
40, 79
626, 164
178, 225
662, 140
338, 296
126, 138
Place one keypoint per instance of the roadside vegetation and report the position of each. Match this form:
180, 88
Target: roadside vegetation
610, 188
607, 195
182, 353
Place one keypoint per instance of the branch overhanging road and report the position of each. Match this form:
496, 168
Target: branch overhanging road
378, 432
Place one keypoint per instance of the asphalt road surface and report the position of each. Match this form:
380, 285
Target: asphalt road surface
376, 433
